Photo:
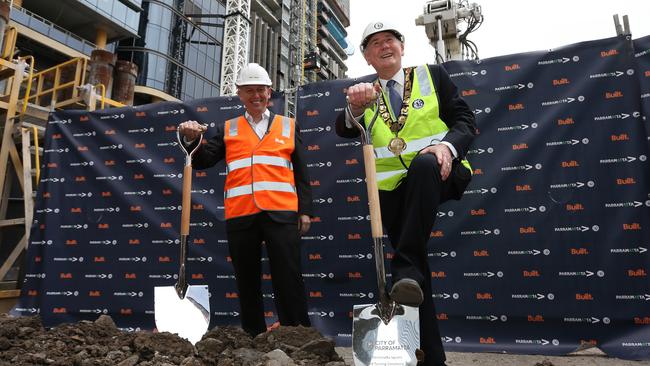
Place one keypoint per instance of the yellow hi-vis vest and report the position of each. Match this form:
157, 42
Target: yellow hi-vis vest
423, 127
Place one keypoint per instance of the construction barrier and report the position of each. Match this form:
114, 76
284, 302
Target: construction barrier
546, 253
642, 55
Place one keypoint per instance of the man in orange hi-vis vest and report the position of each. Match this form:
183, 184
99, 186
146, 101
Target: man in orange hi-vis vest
267, 198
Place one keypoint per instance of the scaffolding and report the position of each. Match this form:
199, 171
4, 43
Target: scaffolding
26, 100
12, 73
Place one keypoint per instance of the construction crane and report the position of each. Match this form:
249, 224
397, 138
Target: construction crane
237, 30
448, 24
235, 43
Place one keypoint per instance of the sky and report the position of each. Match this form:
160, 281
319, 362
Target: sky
509, 26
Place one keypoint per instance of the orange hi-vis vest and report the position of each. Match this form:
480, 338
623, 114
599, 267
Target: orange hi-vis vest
259, 172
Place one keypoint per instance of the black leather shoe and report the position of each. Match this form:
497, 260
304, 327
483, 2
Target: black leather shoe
407, 292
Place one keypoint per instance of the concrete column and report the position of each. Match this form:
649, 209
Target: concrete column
101, 64
101, 38
273, 64
258, 40
124, 82
251, 39
264, 50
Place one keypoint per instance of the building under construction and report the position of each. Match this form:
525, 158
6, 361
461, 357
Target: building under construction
178, 45
86, 54
300, 41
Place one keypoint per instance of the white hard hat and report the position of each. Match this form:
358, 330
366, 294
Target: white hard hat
253, 74
376, 27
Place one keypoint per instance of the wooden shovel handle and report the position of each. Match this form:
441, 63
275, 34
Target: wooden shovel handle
187, 199
373, 193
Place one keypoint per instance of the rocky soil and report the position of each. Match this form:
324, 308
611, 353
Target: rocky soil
24, 341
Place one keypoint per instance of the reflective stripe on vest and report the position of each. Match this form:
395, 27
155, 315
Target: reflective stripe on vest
232, 130
389, 174
259, 186
286, 126
412, 146
259, 159
422, 74
423, 127
260, 173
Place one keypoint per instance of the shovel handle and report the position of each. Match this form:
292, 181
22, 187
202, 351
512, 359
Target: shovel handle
181, 284
373, 193
187, 184
376, 228
187, 199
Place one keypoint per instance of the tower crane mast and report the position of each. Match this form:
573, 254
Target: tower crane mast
235, 43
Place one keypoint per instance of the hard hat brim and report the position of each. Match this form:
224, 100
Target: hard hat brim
247, 83
365, 41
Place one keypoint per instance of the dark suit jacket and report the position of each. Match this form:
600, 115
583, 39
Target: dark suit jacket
214, 151
454, 111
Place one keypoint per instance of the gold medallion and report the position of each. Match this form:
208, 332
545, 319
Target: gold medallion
397, 145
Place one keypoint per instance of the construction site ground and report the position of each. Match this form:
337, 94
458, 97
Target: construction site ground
590, 357
24, 341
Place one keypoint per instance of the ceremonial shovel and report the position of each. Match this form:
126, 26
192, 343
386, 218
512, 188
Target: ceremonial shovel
385, 333
183, 309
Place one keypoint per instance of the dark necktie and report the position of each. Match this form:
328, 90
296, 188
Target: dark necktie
395, 98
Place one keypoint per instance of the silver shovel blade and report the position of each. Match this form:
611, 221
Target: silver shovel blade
375, 343
188, 317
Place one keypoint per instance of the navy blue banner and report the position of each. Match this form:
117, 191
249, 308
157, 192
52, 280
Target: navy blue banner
546, 253
106, 227
552, 245
642, 55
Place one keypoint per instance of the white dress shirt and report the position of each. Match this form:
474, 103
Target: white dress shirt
260, 127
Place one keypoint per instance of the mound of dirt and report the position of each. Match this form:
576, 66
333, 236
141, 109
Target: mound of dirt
24, 341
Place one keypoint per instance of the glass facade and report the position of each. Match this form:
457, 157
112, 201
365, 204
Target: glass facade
117, 12
179, 49
344, 5
137, 3
334, 15
45, 27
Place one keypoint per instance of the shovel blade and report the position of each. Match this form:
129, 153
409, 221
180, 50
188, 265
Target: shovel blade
376, 343
188, 317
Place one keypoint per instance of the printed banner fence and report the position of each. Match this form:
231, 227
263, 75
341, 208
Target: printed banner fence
642, 55
546, 253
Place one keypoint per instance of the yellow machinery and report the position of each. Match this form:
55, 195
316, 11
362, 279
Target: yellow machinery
25, 102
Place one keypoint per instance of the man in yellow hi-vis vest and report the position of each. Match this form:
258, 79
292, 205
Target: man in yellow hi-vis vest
267, 198
420, 139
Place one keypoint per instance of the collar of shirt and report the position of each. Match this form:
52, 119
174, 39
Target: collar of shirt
399, 82
260, 127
